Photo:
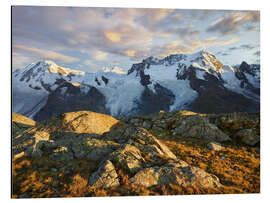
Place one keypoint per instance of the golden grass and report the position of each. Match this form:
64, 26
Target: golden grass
238, 173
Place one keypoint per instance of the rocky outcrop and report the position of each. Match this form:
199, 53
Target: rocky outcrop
105, 176
175, 173
88, 122
248, 136
20, 123
22, 120
145, 159
200, 127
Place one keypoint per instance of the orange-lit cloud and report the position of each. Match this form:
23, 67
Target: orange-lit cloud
113, 36
45, 54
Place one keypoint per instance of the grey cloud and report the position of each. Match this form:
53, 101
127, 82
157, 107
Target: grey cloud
222, 53
230, 23
244, 46
114, 31
257, 53
233, 48
76, 28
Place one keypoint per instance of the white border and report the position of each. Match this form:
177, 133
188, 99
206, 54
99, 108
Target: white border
191, 4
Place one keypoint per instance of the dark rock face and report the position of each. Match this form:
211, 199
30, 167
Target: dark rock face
152, 102
213, 96
106, 80
243, 69
73, 99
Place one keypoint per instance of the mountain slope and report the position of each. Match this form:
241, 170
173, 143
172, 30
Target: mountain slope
196, 82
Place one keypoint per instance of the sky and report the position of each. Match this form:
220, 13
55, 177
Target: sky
90, 39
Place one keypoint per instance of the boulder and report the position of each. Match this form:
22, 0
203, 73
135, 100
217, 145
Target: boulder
129, 158
248, 136
175, 173
105, 176
88, 122
142, 139
20, 123
200, 127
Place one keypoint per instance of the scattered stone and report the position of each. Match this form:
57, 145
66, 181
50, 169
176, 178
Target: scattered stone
215, 146
161, 135
223, 158
53, 169
24, 195
135, 121
146, 124
158, 128
257, 150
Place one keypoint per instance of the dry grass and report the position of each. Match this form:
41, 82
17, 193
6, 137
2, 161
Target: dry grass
239, 172
42, 177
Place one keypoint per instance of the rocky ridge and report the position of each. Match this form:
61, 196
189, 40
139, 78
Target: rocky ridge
133, 146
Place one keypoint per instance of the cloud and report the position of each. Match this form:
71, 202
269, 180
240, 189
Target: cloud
113, 36
90, 66
130, 52
44, 54
215, 42
187, 47
20, 61
248, 46
222, 53
233, 48
100, 55
231, 22
244, 46
129, 34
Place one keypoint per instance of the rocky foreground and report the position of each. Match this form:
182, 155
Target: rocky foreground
90, 154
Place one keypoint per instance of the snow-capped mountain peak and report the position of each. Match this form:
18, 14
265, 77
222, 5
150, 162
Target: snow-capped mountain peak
202, 60
178, 81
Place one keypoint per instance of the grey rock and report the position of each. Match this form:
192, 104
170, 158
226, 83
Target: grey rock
200, 127
146, 124
215, 146
248, 136
180, 174
105, 176
53, 169
223, 158
128, 158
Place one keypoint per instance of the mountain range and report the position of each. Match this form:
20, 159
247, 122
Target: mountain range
198, 82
